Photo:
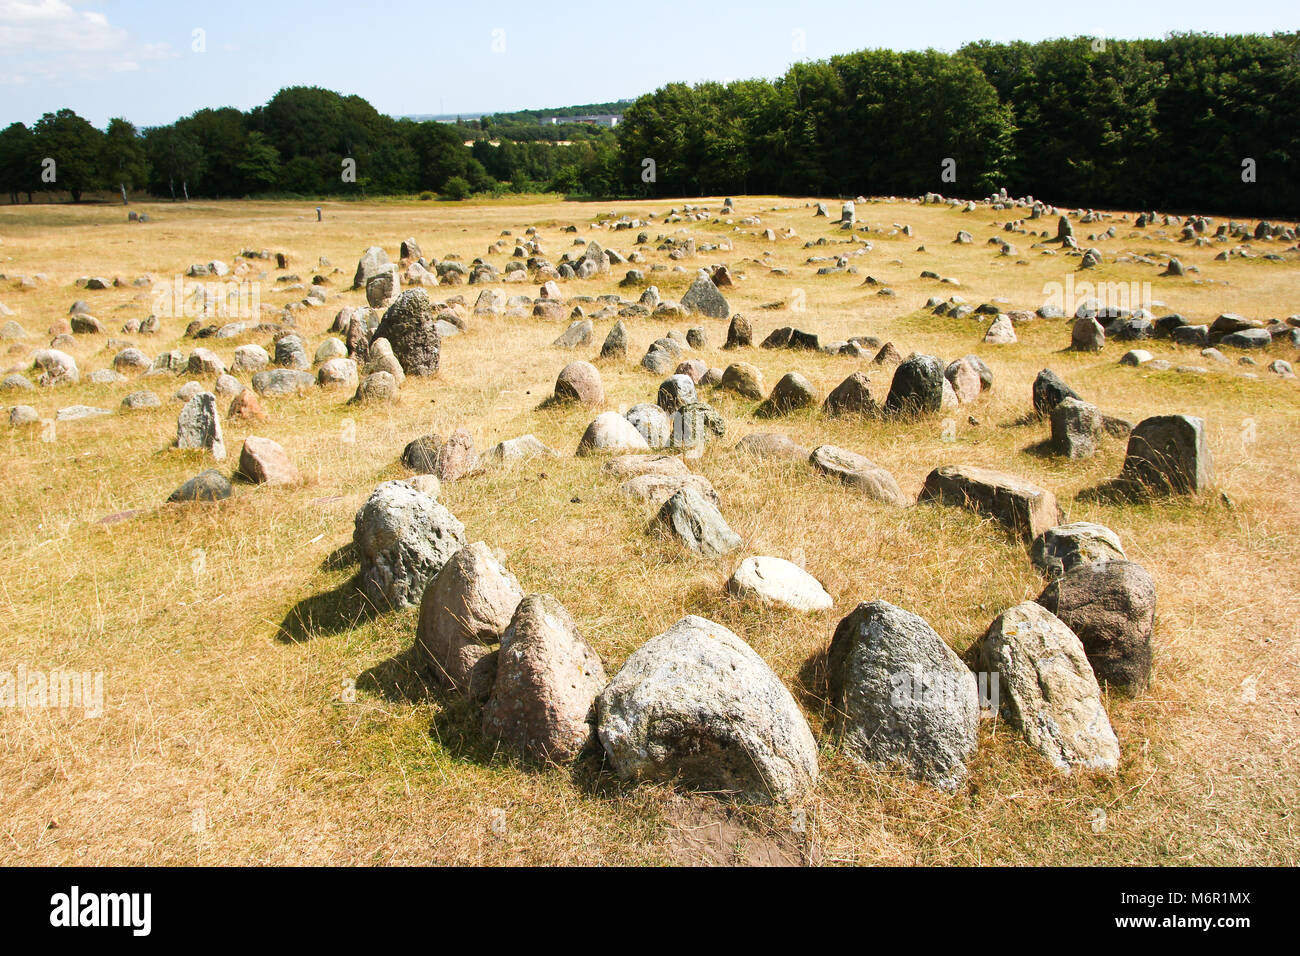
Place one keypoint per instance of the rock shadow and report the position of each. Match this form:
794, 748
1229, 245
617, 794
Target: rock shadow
331, 612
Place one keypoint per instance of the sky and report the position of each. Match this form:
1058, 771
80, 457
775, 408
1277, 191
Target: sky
153, 62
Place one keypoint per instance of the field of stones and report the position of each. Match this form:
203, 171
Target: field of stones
749, 530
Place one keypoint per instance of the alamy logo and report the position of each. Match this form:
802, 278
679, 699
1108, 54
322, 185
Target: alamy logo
52, 690
1069, 295
192, 300
74, 908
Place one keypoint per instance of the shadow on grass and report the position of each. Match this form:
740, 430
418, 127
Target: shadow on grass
332, 612
1116, 491
813, 688
341, 558
402, 679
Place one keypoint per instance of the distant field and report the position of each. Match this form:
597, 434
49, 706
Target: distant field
223, 740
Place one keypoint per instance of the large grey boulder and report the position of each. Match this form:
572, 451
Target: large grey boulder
209, 485
371, 262
542, 704
1047, 689
902, 695
703, 296
676, 391
199, 426
289, 353
1077, 427
698, 707
463, 612
1169, 454
1065, 547
403, 538
282, 381
772, 446
518, 449
697, 523
1023, 507
859, 473
695, 425
1111, 606
652, 422
410, 325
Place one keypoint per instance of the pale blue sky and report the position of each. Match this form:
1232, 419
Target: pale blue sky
138, 58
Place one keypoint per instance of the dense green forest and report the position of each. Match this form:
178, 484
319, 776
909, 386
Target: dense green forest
1191, 121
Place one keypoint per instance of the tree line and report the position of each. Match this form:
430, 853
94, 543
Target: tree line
1187, 122
1191, 121
306, 141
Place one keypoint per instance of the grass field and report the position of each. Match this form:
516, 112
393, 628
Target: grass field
228, 735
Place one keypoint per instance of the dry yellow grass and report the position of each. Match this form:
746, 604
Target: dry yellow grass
223, 743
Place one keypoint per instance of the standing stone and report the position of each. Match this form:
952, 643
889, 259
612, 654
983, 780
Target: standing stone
743, 379
917, 387
615, 347
410, 326
790, 394
290, 353
1001, 331
964, 377
676, 391
1111, 606
698, 707
371, 262
902, 696
740, 335
382, 287
199, 426
1021, 506
1168, 454
1077, 427
464, 611
851, 397
1061, 549
693, 425
576, 335
859, 473
696, 523
777, 581
1087, 335
264, 462
703, 296
457, 457
1047, 688
403, 538
1050, 391
547, 681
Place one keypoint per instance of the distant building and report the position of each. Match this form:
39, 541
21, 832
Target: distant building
595, 119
